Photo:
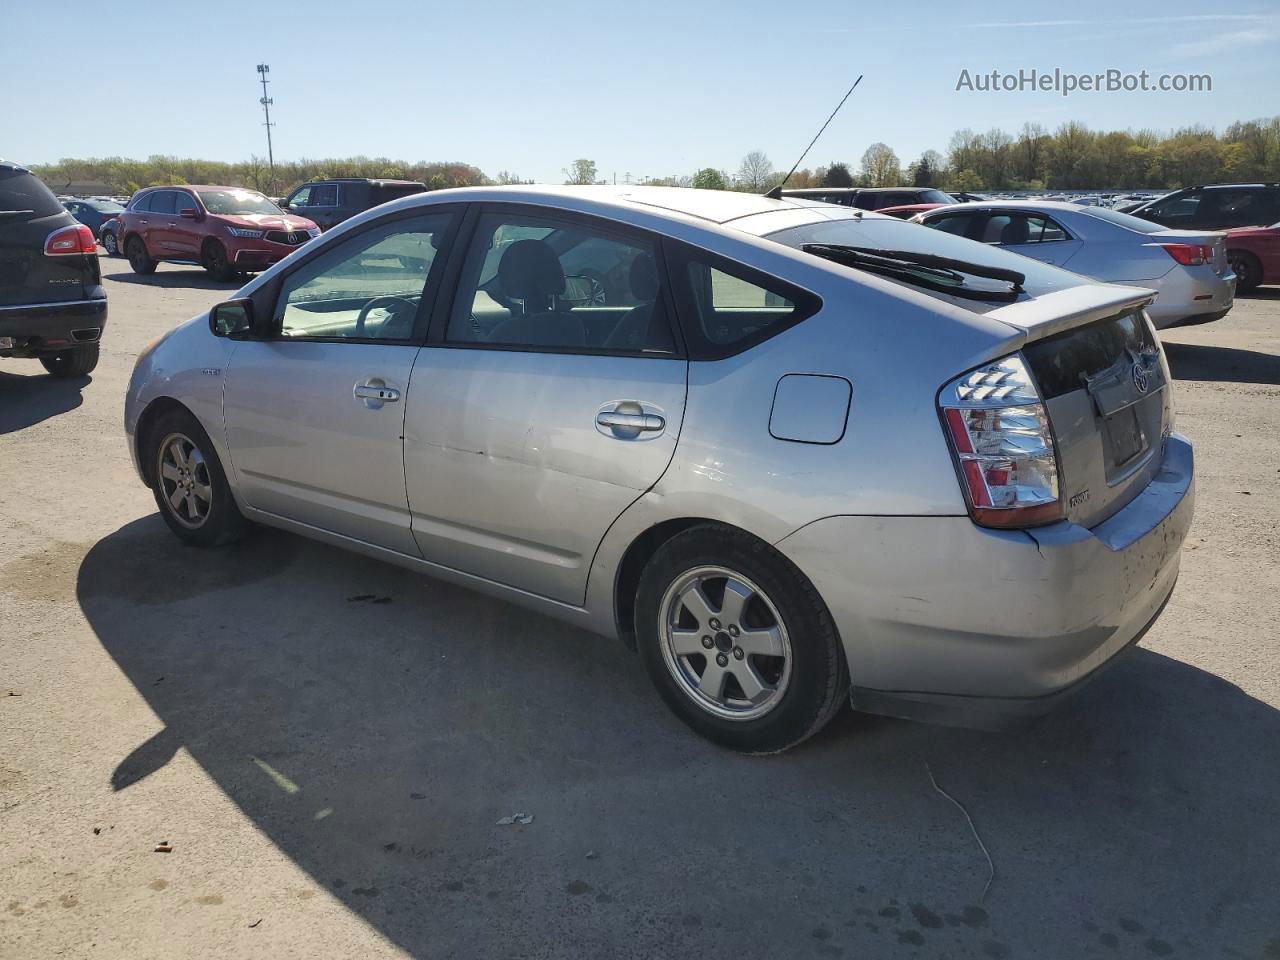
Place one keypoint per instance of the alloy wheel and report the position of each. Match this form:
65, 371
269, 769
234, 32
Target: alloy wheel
725, 643
184, 481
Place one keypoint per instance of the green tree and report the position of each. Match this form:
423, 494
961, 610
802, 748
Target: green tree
837, 175
709, 178
880, 167
581, 172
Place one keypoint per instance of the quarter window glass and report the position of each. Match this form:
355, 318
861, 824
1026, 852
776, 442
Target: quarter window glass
560, 285
367, 287
957, 225
732, 308
324, 195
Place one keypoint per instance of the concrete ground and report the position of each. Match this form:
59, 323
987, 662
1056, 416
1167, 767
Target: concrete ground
328, 772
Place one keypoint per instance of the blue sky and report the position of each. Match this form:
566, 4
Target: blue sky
645, 89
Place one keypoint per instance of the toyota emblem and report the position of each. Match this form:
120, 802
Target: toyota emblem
1140, 377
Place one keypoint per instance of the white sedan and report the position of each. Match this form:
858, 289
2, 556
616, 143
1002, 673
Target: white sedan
1188, 269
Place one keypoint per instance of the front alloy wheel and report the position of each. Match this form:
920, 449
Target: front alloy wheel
725, 644
185, 486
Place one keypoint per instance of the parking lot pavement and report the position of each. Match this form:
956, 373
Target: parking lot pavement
328, 770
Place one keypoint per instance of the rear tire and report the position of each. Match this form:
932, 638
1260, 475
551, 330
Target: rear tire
76, 362
189, 484
1247, 269
777, 649
214, 259
139, 259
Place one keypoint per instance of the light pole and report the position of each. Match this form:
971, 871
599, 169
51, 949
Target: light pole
263, 70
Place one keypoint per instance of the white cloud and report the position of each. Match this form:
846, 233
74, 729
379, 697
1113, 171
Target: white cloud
1222, 43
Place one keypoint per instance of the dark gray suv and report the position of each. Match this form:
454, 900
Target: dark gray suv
329, 202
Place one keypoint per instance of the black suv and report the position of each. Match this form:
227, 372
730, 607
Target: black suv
329, 202
871, 198
1217, 207
52, 304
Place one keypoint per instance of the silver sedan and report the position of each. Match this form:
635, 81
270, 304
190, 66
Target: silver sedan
1187, 269
796, 455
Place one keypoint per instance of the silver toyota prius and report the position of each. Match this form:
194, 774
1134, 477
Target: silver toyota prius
794, 454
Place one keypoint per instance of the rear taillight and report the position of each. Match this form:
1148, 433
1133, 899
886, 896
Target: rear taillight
1189, 254
70, 240
999, 433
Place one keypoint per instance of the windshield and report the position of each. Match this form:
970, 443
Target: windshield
885, 233
1124, 220
236, 203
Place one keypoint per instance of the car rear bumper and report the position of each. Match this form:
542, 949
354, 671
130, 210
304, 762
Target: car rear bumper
1191, 295
40, 327
944, 620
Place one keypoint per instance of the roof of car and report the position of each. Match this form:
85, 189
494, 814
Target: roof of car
717, 206
195, 186
1014, 205
377, 180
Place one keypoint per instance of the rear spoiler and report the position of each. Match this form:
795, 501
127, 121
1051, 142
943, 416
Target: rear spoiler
1062, 310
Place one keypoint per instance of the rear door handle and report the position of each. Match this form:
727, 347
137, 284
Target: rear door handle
644, 422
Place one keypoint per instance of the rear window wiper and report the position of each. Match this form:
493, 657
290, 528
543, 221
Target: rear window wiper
923, 269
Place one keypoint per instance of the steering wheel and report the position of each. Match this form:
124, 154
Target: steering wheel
384, 301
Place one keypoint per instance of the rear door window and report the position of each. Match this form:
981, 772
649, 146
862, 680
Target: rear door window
163, 201
324, 195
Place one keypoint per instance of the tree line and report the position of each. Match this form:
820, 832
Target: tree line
1034, 158
1070, 157
120, 175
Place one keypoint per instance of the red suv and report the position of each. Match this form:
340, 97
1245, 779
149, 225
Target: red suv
226, 230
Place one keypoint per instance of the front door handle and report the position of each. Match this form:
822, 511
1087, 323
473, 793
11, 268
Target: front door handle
642, 422
374, 392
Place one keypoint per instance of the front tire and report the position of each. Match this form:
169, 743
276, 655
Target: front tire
76, 362
737, 641
214, 260
139, 259
1247, 269
189, 484
109, 243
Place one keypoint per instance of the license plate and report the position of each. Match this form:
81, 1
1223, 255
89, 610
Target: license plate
1126, 436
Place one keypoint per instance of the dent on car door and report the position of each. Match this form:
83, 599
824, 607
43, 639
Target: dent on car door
547, 402
314, 413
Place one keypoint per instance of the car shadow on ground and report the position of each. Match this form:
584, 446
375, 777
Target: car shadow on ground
27, 399
190, 278
1203, 361
375, 725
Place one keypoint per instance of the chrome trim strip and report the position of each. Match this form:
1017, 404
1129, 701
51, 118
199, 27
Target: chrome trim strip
54, 303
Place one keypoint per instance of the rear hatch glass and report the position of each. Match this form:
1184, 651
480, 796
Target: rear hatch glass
1105, 387
891, 234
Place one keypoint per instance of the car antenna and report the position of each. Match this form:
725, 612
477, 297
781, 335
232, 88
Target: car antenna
776, 192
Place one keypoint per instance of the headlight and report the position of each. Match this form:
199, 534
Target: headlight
244, 234
313, 232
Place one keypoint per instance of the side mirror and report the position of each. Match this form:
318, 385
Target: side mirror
189, 213
232, 318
